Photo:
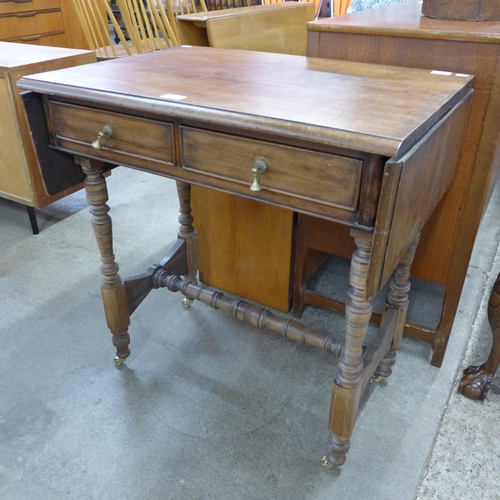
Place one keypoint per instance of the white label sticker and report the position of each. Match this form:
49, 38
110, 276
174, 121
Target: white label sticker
173, 97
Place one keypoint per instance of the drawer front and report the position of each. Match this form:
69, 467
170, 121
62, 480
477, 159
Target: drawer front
30, 23
47, 39
135, 141
10, 6
331, 180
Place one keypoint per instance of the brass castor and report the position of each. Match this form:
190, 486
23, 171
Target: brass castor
186, 302
325, 463
118, 361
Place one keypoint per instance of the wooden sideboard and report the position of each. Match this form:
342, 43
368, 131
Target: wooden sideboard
376, 156
21, 177
41, 22
400, 35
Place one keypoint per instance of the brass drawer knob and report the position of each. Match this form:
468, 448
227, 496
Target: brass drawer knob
106, 131
259, 168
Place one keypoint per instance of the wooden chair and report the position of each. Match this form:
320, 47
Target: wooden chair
148, 25
230, 4
317, 2
340, 7
178, 8
92, 16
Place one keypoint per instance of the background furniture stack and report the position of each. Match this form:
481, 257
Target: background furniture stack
41, 22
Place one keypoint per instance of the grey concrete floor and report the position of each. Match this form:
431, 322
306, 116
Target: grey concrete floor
207, 407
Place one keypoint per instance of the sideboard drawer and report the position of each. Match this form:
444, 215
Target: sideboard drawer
329, 179
10, 6
136, 141
51, 39
30, 23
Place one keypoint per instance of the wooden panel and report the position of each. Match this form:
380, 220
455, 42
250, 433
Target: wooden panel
34, 24
191, 33
134, 141
251, 253
14, 181
282, 30
331, 180
422, 184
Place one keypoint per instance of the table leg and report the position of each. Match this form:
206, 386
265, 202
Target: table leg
476, 380
33, 221
347, 387
187, 232
397, 298
112, 288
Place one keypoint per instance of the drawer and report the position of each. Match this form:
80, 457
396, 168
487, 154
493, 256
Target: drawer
135, 141
301, 174
47, 39
10, 6
30, 23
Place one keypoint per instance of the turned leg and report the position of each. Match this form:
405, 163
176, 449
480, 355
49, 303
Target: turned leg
347, 387
187, 232
476, 380
397, 298
113, 289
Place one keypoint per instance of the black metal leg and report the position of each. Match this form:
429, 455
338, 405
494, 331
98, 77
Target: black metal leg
33, 221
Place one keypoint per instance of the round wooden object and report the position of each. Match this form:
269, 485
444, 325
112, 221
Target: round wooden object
463, 10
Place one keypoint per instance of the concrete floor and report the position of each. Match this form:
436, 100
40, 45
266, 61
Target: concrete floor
207, 407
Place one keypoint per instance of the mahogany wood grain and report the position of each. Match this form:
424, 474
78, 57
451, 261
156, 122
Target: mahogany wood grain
400, 35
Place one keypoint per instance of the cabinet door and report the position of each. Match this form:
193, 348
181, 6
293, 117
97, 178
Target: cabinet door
244, 246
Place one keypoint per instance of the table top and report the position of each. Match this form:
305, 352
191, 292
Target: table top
372, 108
22, 55
406, 19
240, 11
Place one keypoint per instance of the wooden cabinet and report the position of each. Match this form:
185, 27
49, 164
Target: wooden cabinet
41, 22
21, 178
400, 35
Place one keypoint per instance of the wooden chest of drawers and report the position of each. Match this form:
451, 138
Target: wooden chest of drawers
40, 22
